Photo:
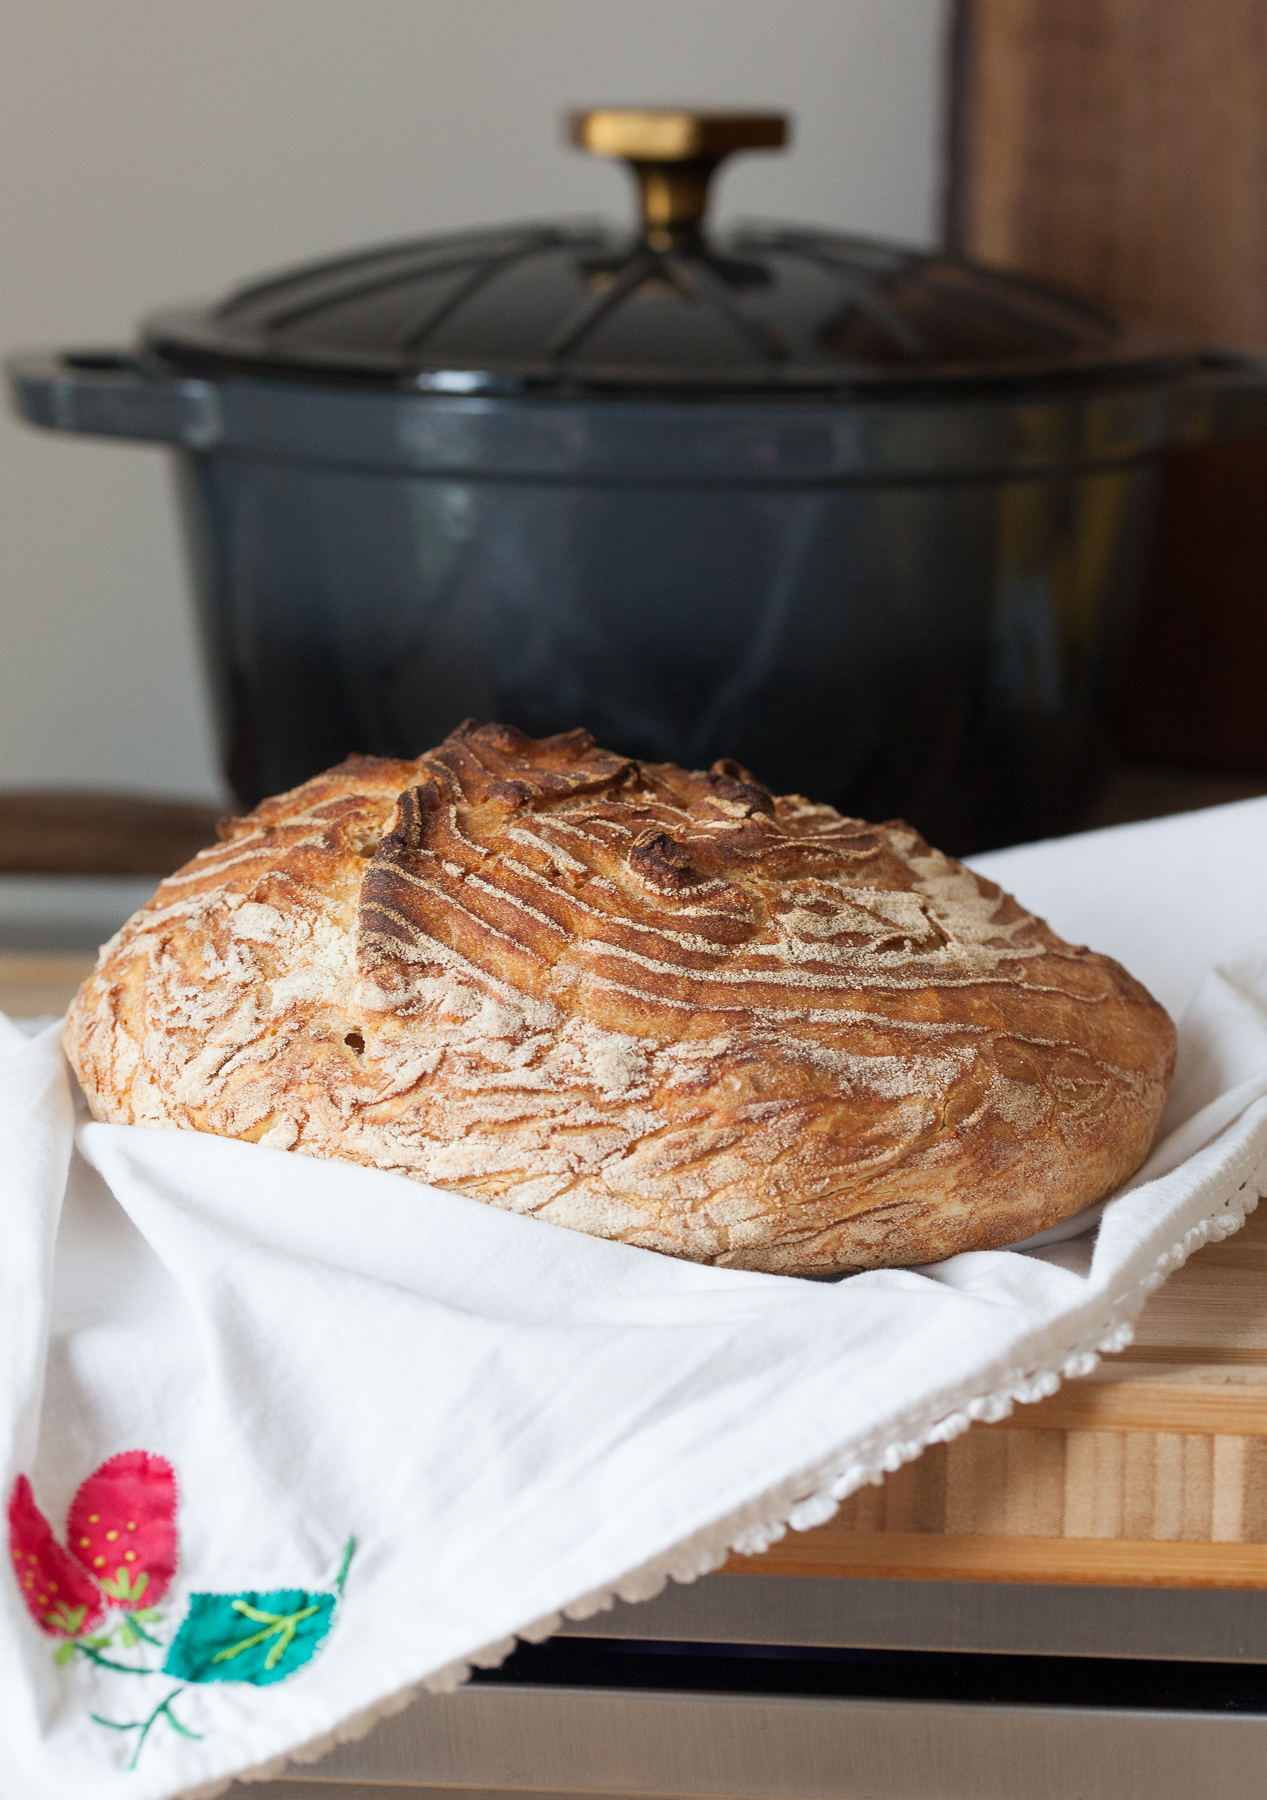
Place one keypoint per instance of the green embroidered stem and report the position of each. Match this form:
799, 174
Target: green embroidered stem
131, 1629
122, 1668
144, 1725
348, 1551
274, 1623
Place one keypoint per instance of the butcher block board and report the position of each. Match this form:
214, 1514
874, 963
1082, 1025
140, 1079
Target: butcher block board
1152, 1471
34, 986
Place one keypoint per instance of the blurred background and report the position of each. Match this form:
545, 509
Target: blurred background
152, 152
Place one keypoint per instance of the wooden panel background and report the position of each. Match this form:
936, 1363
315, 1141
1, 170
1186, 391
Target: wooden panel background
1119, 147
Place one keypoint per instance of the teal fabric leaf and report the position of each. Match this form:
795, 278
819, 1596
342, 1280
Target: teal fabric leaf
258, 1638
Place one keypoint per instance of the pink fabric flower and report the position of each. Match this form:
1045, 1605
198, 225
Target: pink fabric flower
60, 1595
121, 1532
122, 1527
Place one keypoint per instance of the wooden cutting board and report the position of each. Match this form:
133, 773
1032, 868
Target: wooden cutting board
31, 985
1152, 1471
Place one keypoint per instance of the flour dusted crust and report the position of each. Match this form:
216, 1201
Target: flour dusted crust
654, 1005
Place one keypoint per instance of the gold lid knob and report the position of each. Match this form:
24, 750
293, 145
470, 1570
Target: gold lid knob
673, 154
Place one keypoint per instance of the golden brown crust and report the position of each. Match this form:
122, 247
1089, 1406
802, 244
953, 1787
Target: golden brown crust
655, 1005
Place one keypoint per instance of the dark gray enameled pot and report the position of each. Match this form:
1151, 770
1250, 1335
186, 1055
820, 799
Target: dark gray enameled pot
906, 603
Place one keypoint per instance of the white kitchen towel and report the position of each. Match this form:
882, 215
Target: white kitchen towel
283, 1439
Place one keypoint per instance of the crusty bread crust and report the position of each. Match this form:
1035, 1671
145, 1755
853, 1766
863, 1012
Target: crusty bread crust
654, 1005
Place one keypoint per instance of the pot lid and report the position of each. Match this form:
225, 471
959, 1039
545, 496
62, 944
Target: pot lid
576, 305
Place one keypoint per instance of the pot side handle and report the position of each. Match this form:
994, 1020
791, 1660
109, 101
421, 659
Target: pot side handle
110, 393
1228, 397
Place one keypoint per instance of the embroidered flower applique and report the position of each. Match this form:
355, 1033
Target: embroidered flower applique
120, 1552
119, 1560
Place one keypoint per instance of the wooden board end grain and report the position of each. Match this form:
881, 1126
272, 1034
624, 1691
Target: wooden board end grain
1150, 1472
1082, 1562
34, 986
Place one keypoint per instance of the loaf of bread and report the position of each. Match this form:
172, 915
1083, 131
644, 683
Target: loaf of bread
654, 1005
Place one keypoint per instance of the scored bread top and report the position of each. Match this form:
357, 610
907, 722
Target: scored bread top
656, 1005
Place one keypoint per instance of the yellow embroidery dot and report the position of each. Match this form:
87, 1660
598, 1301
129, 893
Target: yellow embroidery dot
29, 1582
98, 1562
94, 1518
111, 1536
30, 1557
43, 1599
129, 1556
131, 1524
84, 1543
52, 1587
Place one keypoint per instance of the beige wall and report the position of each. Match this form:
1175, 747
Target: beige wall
157, 149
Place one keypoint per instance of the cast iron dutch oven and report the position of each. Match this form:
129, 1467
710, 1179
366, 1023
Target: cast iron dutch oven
867, 519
